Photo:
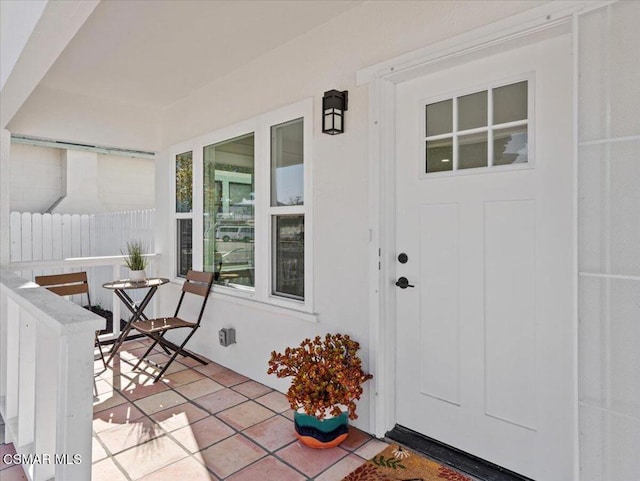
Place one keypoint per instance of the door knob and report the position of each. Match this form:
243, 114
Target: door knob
403, 283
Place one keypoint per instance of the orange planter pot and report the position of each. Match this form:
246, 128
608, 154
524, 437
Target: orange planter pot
321, 433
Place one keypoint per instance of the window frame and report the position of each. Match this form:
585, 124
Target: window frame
264, 213
177, 150
529, 77
235, 131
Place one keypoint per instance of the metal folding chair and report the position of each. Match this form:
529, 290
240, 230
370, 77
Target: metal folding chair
197, 283
69, 285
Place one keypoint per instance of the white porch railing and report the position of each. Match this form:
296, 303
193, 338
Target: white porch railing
100, 270
46, 379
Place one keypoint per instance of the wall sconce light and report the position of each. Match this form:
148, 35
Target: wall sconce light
334, 105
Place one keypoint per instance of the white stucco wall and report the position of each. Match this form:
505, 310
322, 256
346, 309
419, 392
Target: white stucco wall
304, 68
37, 180
324, 58
126, 183
36, 177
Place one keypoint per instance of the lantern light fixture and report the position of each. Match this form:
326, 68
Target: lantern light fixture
334, 105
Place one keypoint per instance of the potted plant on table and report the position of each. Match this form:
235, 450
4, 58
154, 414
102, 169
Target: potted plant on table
327, 380
136, 261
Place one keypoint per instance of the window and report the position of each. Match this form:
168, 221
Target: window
480, 130
250, 218
229, 215
287, 198
184, 212
288, 258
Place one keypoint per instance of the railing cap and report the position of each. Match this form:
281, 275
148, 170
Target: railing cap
73, 262
57, 312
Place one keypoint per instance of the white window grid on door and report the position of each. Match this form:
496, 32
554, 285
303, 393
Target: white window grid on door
490, 129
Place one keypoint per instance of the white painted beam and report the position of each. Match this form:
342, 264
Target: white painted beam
17, 21
57, 25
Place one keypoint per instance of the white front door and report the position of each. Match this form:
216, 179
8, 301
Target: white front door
485, 339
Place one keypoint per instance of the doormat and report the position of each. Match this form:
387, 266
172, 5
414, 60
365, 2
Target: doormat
399, 464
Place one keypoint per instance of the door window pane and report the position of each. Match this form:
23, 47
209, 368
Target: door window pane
510, 103
472, 151
288, 261
439, 117
184, 182
184, 245
287, 163
439, 155
229, 187
472, 111
510, 146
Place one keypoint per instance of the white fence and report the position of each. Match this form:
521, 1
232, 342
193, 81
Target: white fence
60, 236
54, 237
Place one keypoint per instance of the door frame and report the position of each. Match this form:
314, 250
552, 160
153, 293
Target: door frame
546, 21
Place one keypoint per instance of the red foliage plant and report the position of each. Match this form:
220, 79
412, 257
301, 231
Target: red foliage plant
326, 373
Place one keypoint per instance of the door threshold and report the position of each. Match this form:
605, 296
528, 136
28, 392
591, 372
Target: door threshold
453, 457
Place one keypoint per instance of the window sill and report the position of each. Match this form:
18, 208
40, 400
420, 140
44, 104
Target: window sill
247, 299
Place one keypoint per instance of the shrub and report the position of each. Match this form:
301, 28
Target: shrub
326, 373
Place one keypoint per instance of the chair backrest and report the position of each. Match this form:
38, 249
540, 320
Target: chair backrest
66, 284
198, 283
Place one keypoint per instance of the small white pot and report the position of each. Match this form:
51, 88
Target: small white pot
137, 276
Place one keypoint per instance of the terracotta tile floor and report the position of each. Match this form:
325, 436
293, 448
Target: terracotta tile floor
204, 423
9, 472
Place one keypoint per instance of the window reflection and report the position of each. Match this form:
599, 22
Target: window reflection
510, 103
439, 118
492, 130
510, 146
184, 182
184, 245
472, 111
229, 198
287, 164
440, 155
472, 151
289, 256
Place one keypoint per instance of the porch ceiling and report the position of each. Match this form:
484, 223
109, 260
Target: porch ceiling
153, 53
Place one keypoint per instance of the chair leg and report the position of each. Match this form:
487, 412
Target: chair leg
164, 348
194, 357
177, 350
119, 341
181, 351
146, 353
104, 364
166, 366
99, 344
95, 390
